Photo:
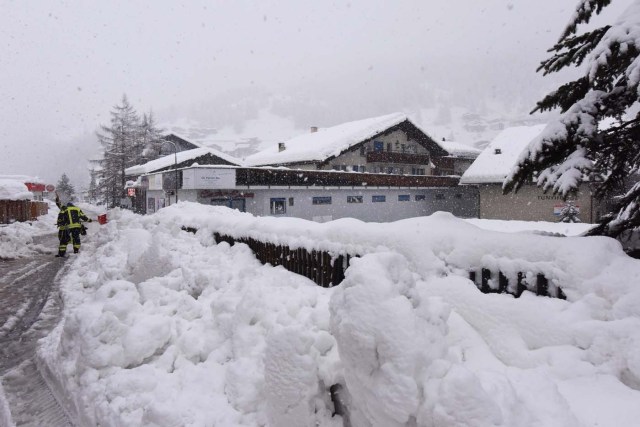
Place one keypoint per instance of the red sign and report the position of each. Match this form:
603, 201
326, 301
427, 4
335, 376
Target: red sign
50, 188
32, 186
131, 192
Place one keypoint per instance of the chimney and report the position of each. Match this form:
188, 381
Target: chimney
281, 146
314, 129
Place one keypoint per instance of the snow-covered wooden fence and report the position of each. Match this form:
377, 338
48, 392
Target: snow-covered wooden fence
323, 268
21, 210
538, 285
327, 269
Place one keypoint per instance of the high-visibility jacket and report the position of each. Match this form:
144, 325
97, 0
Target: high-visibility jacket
70, 217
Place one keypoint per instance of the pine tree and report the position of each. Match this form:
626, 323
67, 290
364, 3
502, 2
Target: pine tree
575, 146
569, 213
150, 136
64, 189
121, 144
92, 191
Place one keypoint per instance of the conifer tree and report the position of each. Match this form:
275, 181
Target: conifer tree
150, 136
120, 142
65, 189
569, 213
577, 145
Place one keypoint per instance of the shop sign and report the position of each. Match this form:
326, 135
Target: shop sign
204, 178
155, 182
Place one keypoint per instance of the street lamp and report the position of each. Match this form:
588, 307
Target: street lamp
175, 159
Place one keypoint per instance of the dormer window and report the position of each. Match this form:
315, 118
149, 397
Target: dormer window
497, 151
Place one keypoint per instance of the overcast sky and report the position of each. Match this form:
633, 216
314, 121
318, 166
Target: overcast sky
64, 64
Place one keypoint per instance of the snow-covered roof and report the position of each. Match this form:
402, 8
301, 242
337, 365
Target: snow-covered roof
23, 178
14, 189
496, 161
326, 142
182, 156
458, 149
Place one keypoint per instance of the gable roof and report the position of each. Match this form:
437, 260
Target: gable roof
184, 158
327, 143
458, 149
493, 167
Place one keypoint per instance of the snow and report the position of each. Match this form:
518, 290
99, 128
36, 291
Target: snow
458, 149
17, 239
491, 167
181, 156
326, 142
536, 227
162, 327
12, 189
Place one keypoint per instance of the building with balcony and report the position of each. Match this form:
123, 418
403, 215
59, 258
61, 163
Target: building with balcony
390, 144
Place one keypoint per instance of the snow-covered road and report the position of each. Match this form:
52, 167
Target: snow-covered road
29, 309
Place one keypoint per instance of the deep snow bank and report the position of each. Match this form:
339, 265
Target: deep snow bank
16, 240
163, 327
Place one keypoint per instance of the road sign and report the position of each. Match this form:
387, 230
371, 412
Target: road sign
131, 192
50, 188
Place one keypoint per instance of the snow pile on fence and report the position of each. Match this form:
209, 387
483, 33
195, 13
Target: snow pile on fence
164, 327
16, 240
12, 189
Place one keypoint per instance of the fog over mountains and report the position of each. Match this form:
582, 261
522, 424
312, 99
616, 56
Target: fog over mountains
252, 73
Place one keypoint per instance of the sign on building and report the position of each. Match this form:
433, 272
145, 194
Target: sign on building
131, 192
201, 178
155, 182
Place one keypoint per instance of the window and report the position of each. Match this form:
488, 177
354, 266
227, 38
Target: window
343, 167
420, 197
363, 150
355, 168
388, 146
335, 167
378, 199
419, 171
378, 146
278, 206
439, 196
363, 169
390, 170
354, 199
402, 148
321, 200
458, 196
290, 201
404, 197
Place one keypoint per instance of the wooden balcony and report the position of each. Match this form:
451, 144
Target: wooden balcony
397, 158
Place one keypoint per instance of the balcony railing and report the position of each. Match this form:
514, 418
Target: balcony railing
397, 157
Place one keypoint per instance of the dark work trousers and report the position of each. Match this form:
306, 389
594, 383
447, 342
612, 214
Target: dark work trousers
66, 236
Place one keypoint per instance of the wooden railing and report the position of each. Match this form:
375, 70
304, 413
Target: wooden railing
488, 285
328, 270
325, 269
21, 210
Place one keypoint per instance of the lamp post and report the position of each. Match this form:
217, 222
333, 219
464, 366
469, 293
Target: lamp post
175, 160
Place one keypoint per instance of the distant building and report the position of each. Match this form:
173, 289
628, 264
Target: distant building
378, 169
174, 162
390, 144
316, 195
489, 171
460, 157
